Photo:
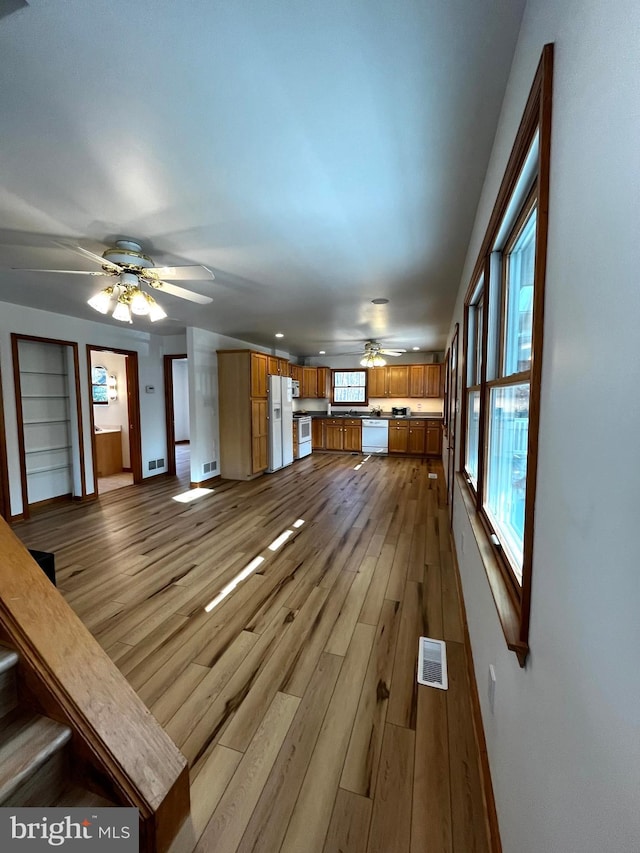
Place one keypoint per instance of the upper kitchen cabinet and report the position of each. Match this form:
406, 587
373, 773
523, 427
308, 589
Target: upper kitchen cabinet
259, 373
295, 372
277, 366
377, 382
433, 380
398, 380
416, 380
309, 382
324, 382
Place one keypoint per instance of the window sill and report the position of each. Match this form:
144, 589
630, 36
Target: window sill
506, 605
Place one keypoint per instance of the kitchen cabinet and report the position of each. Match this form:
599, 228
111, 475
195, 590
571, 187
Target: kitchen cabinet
259, 372
309, 382
398, 380
433, 439
417, 380
324, 382
342, 434
317, 434
398, 436
295, 372
295, 438
242, 405
416, 437
405, 380
433, 380
377, 382
277, 366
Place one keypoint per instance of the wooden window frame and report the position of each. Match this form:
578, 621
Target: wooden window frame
350, 404
512, 599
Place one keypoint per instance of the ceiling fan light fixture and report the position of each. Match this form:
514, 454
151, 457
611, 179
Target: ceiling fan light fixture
139, 302
101, 301
155, 311
122, 311
372, 359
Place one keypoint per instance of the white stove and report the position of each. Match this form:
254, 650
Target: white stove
304, 435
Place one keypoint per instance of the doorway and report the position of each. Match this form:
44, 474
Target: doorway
115, 418
176, 392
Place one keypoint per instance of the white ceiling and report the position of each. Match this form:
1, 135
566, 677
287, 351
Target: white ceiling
314, 156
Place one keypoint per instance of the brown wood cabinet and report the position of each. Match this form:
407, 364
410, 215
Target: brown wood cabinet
259, 373
341, 434
433, 380
309, 382
398, 380
405, 380
377, 382
108, 453
433, 439
416, 380
242, 398
295, 438
416, 437
295, 372
324, 382
317, 434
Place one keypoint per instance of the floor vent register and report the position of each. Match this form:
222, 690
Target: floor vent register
432, 663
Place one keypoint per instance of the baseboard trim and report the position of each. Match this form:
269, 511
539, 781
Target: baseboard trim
205, 483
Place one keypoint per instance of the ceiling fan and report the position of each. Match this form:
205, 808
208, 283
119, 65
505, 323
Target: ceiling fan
372, 354
131, 268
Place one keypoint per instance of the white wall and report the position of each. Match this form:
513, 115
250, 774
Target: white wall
180, 372
564, 741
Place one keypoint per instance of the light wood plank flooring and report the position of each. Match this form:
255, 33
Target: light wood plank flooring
295, 699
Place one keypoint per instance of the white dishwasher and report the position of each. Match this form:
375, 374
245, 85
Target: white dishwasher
375, 435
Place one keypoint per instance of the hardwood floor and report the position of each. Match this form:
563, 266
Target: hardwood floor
295, 699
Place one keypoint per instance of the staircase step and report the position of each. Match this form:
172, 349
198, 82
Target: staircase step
74, 797
30, 743
8, 690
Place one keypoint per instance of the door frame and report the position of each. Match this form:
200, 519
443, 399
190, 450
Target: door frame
452, 402
169, 411
15, 341
133, 411
5, 499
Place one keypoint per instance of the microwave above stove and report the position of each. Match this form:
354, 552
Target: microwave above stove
400, 412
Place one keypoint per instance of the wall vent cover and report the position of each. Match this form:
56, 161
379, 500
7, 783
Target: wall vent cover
432, 663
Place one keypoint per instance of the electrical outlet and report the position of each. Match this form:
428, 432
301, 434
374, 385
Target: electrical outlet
492, 687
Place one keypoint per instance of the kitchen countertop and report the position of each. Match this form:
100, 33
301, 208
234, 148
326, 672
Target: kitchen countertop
385, 416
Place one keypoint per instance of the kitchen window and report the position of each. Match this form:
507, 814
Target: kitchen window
503, 357
348, 387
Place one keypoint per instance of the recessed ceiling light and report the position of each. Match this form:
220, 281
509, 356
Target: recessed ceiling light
380, 301
322, 352
279, 335
416, 348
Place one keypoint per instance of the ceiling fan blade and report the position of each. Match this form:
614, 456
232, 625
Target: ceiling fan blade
98, 259
193, 272
66, 272
393, 352
174, 290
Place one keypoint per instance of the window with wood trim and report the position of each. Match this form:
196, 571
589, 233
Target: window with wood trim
503, 364
348, 387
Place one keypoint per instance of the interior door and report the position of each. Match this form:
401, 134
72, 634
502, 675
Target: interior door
453, 404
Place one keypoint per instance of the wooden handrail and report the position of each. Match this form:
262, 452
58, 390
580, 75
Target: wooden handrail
73, 680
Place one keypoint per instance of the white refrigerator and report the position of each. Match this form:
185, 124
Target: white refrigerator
280, 415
